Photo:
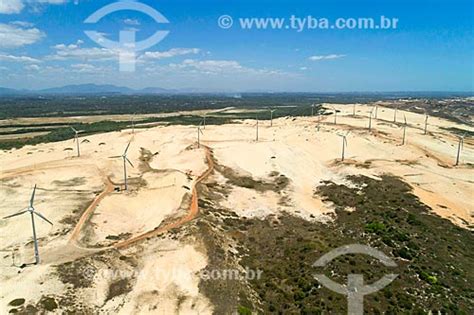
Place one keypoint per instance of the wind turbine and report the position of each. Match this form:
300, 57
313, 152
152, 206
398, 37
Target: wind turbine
76, 139
125, 160
32, 212
133, 123
271, 116
312, 109
344, 144
395, 115
404, 129
460, 145
204, 121
370, 119
353, 110
199, 131
426, 124
376, 110
335, 115
256, 138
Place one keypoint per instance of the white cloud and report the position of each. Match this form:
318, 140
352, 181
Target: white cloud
303, 68
11, 6
12, 58
32, 67
87, 68
212, 65
325, 57
169, 53
223, 67
16, 6
50, 1
75, 51
12, 36
22, 24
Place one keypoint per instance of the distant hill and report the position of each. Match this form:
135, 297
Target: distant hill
5, 91
109, 89
88, 89
83, 89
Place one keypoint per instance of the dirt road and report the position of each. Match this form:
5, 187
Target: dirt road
192, 213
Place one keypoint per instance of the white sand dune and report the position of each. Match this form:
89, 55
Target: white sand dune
294, 148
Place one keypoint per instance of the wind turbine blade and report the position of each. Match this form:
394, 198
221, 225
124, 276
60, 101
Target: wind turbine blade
33, 196
42, 217
345, 141
74, 140
15, 214
115, 157
129, 162
126, 149
405, 118
73, 128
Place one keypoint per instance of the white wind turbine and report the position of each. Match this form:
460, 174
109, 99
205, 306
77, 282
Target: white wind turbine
271, 116
426, 124
353, 110
344, 144
199, 132
256, 136
204, 121
125, 160
32, 212
376, 110
404, 129
312, 109
133, 123
76, 139
460, 145
319, 122
395, 114
370, 119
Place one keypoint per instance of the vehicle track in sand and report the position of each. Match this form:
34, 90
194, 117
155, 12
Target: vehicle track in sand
109, 187
192, 213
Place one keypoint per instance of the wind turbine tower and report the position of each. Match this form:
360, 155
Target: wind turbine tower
460, 146
125, 160
404, 130
32, 212
344, 144
76, 139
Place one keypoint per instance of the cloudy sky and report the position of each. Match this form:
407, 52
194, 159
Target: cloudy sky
43, 44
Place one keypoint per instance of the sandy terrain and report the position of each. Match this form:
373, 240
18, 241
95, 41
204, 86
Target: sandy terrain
167, 166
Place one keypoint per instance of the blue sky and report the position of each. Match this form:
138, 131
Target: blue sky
43, 44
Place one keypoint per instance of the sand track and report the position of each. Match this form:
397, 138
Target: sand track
192, 213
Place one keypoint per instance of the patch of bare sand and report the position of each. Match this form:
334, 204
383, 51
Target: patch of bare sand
168, 282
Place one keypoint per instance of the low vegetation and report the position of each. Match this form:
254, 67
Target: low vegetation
434, 257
